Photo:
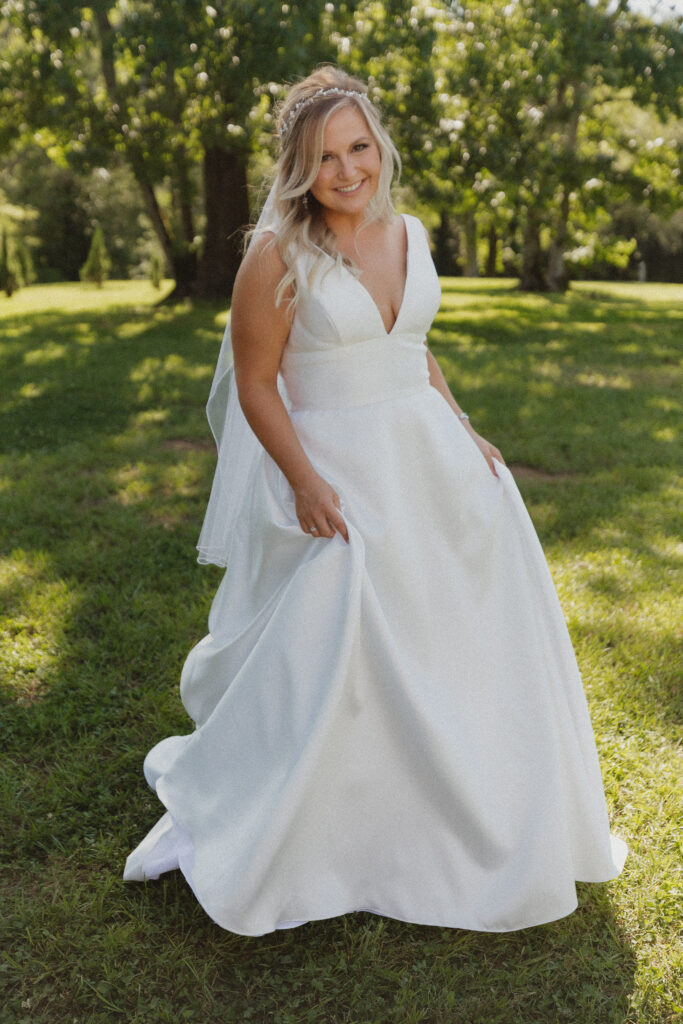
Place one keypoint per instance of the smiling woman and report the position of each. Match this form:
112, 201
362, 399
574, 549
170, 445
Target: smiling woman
389, 715
349, 167
348, 178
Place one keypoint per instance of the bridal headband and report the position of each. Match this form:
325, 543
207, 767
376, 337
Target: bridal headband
333, 91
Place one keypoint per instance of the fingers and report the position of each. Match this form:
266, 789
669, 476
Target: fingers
339, 523
494, 456
322, 527
325, 523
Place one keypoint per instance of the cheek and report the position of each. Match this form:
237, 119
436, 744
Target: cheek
322, 178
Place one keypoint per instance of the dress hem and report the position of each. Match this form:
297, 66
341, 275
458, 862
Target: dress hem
555, 915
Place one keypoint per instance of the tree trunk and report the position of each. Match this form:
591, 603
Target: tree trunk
532, 278
156, 217
446, 248
181, 263
183, 196
471, 261
227, 210
557, 276
492, 255
184, 272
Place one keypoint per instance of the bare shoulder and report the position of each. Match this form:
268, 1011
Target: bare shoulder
258, 322
262, 267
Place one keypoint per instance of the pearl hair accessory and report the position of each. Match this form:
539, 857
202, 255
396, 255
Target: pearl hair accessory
294, 112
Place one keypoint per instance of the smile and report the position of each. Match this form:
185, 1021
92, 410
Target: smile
349, 189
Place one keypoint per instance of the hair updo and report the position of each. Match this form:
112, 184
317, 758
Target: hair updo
301, 121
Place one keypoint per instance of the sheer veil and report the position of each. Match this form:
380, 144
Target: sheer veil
239, 452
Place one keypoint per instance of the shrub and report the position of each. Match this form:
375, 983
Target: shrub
97, 266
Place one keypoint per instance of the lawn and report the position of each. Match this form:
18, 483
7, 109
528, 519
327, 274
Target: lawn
105, 464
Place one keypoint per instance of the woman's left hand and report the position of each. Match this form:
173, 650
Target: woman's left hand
488, 450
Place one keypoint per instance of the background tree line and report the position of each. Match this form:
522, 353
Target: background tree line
541, 138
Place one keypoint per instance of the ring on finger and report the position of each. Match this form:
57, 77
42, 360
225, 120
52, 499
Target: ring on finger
313, 529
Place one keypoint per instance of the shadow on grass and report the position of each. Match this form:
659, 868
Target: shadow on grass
90, 372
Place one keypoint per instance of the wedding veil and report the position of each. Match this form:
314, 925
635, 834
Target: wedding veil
239, 452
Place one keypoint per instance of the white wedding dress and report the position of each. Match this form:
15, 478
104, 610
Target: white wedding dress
398, 724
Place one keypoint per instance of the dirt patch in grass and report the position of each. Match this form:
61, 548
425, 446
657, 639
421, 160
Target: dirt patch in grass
182, 444
522, 472
179, 444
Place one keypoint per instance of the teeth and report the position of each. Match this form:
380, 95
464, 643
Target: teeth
351, 188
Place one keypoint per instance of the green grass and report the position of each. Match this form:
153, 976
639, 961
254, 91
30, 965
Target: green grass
105, 465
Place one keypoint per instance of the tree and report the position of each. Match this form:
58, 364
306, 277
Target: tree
181, 90
97, 266
9, 276
498, 106
521, 84
156, 270
16, 264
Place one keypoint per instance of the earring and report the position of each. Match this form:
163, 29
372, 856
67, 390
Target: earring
305, 201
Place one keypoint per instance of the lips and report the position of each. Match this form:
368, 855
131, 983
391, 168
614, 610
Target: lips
349, 190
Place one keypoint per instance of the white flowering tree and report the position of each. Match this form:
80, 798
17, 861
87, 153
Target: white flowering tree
526, 87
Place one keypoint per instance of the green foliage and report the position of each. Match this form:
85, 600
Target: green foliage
167, 88
156, 270
97, 266
16, 264
56, 196
9, 270
505, 112
103, 435
66, 203
24, 259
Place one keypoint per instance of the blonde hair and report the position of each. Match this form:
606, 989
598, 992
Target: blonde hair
301, 123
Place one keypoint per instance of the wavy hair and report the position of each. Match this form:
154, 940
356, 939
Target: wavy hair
301, 126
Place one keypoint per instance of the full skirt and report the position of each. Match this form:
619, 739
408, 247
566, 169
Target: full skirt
395, 725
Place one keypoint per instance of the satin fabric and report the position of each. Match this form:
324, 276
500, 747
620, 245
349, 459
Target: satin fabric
398, 724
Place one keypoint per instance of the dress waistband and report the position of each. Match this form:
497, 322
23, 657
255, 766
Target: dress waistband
359, 374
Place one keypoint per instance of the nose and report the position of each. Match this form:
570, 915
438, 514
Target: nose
346, 167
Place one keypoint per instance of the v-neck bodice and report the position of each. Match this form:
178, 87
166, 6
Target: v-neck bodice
335, 309
339, 353
390, 330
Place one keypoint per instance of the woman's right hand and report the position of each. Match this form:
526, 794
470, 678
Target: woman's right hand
319, 509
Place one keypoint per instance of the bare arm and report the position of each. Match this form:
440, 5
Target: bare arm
438, 381
259, 332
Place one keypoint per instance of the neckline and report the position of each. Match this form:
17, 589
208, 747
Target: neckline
388, 333
374, 305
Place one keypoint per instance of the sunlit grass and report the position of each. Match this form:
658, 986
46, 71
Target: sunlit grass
75, 298
105, 467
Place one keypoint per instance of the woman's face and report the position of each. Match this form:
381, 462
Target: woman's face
350, 166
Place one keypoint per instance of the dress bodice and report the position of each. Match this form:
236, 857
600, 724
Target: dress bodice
336, 309
339, 353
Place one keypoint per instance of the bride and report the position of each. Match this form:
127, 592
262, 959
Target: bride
388, 712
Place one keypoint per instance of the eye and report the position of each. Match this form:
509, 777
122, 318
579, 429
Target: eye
325, 157
361, 145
